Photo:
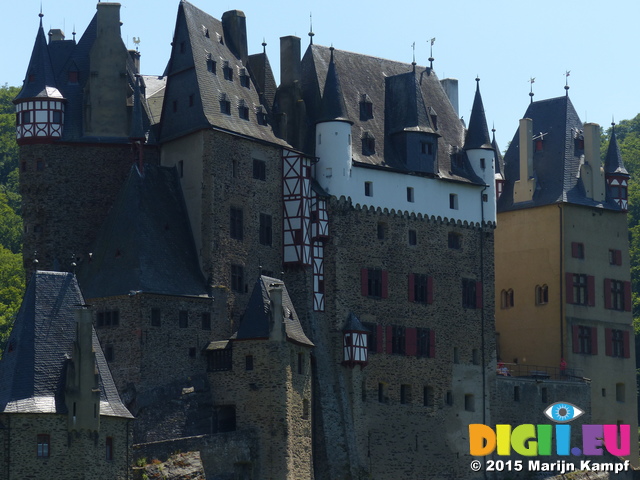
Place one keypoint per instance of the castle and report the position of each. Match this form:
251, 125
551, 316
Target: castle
297, 280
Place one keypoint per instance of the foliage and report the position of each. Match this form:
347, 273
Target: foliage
11, 289
8, 145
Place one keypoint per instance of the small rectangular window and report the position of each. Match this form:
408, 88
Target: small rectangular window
236, 224
405, 394
427, 396
155, 317
382, 393
228, 73
206, 321
248, 362
109, 448
454, 240
577, 250
382, 230
108, 353
211, 66
516, 394
237, 278
266, 233
368, 189
183, 319
44, 445
410, 195
468, 293
398, 340
469, 403
413, 237
259, 169
453, 201
300, 363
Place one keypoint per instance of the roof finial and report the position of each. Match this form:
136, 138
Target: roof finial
432, 41
41, 14
74, 33
311, 34
413, 46
264, 45
532, 80
566, 81
331, 49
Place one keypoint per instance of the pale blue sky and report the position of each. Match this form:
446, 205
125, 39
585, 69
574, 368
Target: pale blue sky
505, 42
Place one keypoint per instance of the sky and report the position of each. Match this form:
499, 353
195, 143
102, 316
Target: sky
505, 43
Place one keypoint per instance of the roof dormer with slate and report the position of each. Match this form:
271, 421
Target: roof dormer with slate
39, 357
208, 82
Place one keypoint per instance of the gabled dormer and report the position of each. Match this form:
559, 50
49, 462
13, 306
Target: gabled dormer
39, 105
616, 175
411, 125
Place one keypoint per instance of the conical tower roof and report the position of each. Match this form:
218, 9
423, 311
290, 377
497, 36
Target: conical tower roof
333, 106
478, 132
613, 163
40, 80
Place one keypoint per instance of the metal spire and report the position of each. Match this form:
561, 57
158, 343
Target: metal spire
566, 82
532, 80
311, 34
432, 41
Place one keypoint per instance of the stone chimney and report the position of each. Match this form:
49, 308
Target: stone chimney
591, 171
523, 188
106, 99
277, 331
290, 65
450, 86
234, 25
56, 35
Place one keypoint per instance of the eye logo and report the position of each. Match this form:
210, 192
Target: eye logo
563, 412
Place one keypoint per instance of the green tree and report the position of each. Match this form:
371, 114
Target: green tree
11, 290
8, 146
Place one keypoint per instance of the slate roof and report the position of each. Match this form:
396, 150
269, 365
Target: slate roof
256, 320
41, 70
52, 63
478, 132
366, 75
34, 364
199, 37
145, 244
613, 163
499, 159
354, 324
557, 166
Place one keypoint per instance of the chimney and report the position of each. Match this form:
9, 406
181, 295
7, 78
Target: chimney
135, 58
290, 66
277, 330
523, 188
450, 86
234, 26
56, 35
108, 20
591, 170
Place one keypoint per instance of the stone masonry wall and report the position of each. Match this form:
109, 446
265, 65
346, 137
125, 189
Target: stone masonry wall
72, 455
382, 420
67, 190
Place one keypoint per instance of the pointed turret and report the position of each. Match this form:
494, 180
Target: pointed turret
616, 175
41, 121
333, 133
478, 132
499, 162
333, 105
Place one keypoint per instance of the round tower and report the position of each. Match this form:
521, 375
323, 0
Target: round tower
333, 137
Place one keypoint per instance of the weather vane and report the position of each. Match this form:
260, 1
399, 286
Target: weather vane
532, 80
432, 41
566, 81
136, 40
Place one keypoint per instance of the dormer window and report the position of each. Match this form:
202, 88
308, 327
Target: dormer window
243, 110
368, 144
211, 64
426, 148
366, 107
434, 118
227, 71
245, 80
261, 115
225, 104
220, 39
205, 31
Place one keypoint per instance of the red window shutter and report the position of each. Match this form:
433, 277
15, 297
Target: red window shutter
389, 339
591, 290
429, 290
627, 352
628, 300
385, 284
594, 340
575, 335
618, 255
478, 294
608, 342
575, 249
411, 341
432, 343
607, 293
379, 339
364, 282
568, 285
412, 287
